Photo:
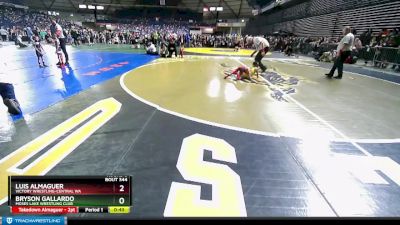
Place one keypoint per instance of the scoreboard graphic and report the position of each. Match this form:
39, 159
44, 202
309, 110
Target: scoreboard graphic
60, 195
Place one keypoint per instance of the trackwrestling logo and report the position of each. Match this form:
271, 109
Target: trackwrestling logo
31, 220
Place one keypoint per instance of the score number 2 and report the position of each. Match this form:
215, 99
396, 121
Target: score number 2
227, 194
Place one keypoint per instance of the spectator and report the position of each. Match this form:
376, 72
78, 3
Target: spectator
151, 49
75, 37
3, 34
327, 56
172, 48
397, 61
366, 37
19, 42
163, 50
29, 33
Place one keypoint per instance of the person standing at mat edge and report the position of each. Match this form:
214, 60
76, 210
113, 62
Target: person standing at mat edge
343, 52
57, 32
262, 47
7, 90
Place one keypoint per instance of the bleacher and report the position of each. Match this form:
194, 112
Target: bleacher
295, 12
320, 7
326, 17
375, 17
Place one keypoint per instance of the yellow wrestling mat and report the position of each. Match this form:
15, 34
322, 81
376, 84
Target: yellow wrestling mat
195, 88
220, 51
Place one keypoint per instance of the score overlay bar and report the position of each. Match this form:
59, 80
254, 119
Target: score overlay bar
58, 193
62, 210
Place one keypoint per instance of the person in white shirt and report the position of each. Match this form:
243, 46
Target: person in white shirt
116, 40
19, 42
262, 47
57, 32
151, 49
7, 91
343, 52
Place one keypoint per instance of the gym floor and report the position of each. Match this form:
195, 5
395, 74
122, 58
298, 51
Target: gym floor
294, 144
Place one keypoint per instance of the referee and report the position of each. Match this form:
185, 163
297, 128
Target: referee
57, 32
343, 52
262, 47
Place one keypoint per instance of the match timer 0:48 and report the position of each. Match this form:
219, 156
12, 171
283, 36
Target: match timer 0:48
118, 209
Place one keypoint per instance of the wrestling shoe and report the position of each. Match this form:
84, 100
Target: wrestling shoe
13, 106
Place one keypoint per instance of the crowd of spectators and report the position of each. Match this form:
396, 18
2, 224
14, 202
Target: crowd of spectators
221, 41
141, 33
20, 23
136, 33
